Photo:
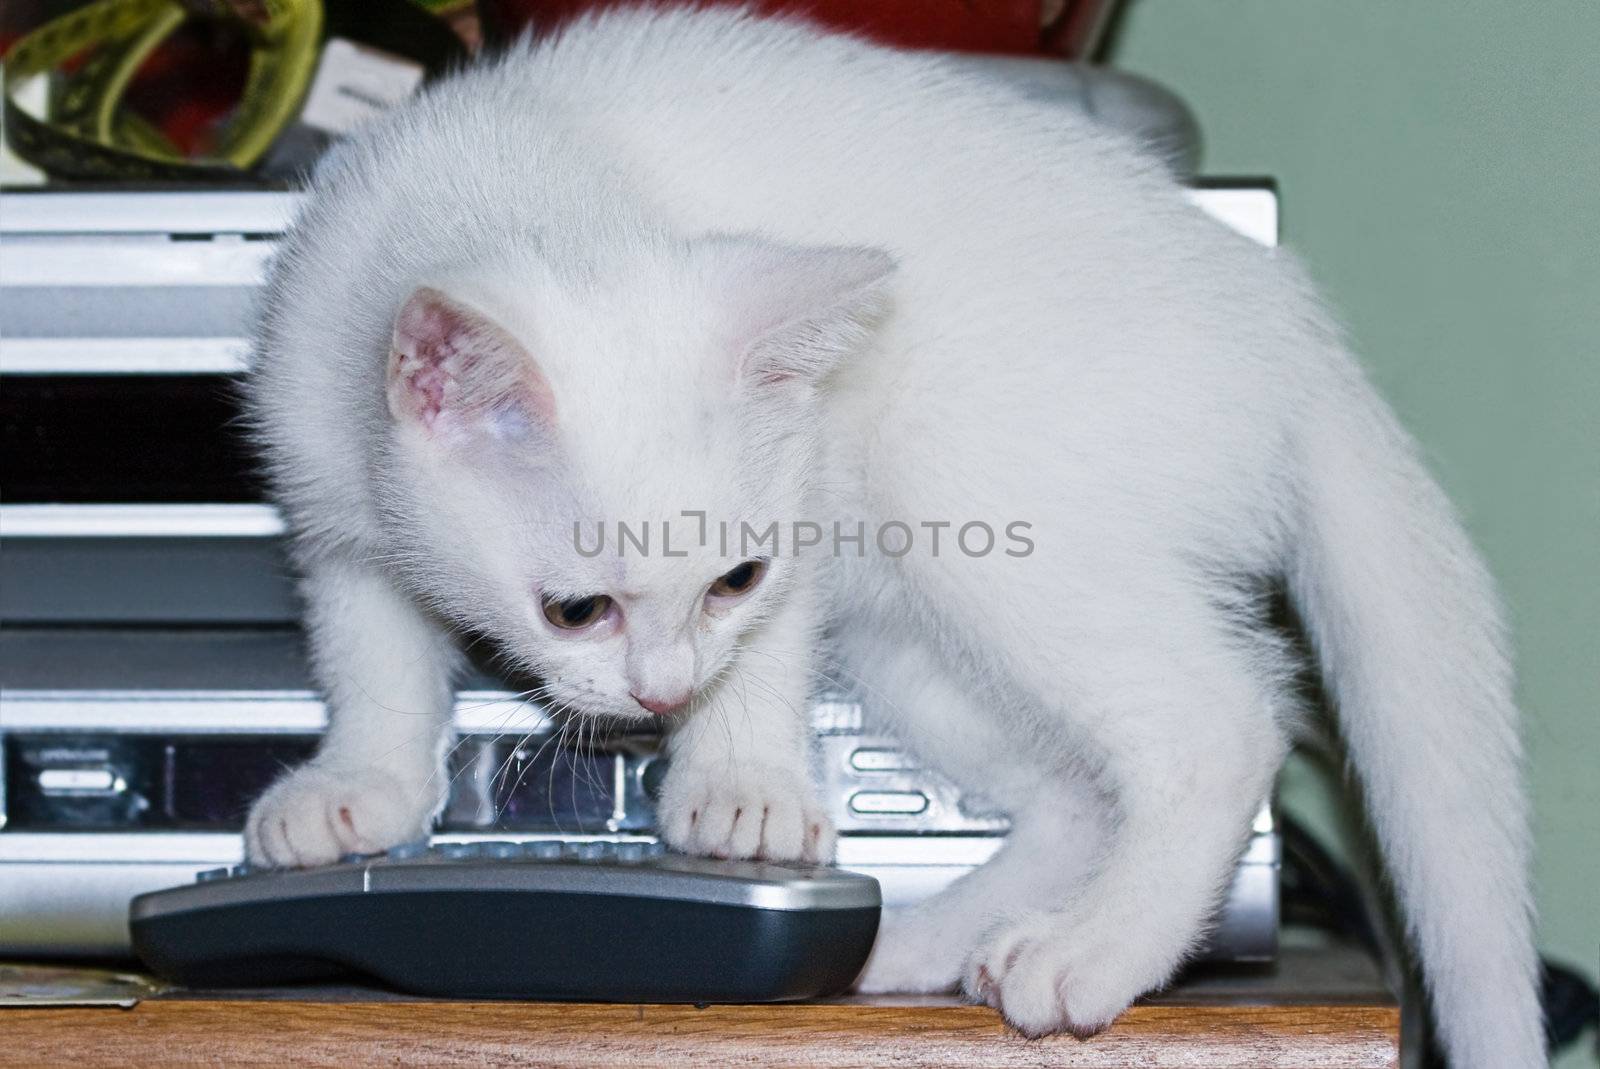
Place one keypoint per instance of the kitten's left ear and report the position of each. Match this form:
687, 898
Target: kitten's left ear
454, 370
797, 311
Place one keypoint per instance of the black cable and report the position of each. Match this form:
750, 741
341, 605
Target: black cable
1319, 892
1571, 1005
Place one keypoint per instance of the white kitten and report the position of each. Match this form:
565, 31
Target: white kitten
700, 261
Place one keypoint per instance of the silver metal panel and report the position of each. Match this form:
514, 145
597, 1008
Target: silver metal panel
490, 713
140, 521
1251, 210
865, 799
145, 564
123, 356
47, 263
103, 314
105, 579
1246, 925
76, 908
92, 283
223, 212
68, 894
132, 665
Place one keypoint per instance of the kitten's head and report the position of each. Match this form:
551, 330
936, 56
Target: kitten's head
672, 391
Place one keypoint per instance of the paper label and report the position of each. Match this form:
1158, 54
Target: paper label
354, 83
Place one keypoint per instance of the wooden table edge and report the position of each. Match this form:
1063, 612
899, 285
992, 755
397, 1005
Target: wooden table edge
345, 1033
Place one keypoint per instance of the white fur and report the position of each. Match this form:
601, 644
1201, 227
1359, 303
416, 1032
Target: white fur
673, 216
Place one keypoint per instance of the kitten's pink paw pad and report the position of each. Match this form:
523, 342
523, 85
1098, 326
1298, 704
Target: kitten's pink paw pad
759, 813
314, 816
1029, 973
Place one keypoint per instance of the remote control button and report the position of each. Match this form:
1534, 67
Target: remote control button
497, 849
454, 850
211, 874
407, 851
542, 850
588, 851
630, 853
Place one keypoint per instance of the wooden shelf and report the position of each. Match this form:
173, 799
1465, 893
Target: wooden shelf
1315, 1009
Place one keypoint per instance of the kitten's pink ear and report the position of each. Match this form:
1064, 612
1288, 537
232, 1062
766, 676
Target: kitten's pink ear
798, 311
452, 370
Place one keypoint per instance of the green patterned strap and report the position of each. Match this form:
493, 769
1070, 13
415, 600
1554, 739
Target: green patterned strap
88, 135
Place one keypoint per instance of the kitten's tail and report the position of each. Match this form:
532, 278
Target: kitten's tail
1407, 627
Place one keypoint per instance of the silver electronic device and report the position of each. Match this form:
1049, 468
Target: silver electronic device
151, 676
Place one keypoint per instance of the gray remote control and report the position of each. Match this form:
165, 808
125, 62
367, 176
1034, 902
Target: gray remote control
604, 921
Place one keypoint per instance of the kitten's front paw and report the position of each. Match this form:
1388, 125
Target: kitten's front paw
1044, 981
314, 815
757, 812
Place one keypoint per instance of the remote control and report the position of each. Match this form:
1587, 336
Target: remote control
624, 922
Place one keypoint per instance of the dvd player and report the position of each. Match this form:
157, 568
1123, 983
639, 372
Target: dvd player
151, 673
130, 494
129, 760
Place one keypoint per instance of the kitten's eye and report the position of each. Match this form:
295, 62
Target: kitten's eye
575, 614
739, 581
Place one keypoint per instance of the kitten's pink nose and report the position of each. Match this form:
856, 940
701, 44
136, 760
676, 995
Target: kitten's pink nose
664, 706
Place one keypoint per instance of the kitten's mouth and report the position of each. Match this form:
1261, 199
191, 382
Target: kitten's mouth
668, 705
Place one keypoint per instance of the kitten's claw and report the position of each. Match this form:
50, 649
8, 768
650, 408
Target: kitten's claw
1040, 979
757, 813
314, 816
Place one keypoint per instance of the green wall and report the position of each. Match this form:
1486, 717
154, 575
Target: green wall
1439, 162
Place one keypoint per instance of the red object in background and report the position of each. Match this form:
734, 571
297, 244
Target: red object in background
1067, 28
190, 110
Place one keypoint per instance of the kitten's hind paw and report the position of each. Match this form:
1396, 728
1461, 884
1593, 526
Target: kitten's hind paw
315, 815
1044, 981
761, 813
